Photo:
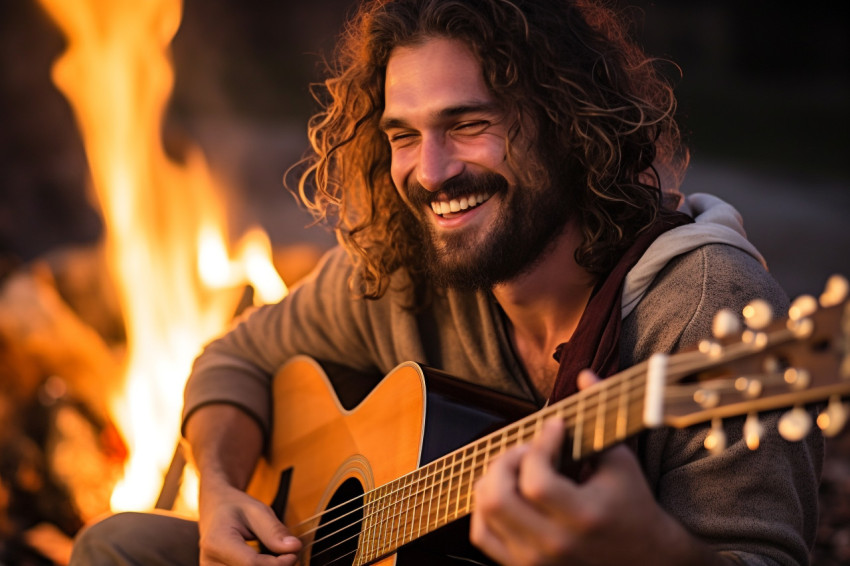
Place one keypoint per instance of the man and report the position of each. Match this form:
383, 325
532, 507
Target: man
494, 169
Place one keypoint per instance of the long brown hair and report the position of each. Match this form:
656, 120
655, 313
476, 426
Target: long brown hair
602, 113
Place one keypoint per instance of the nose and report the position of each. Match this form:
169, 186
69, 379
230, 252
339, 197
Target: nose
438, 162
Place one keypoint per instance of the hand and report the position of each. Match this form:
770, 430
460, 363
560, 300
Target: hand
225, 444
229, 518
526, 512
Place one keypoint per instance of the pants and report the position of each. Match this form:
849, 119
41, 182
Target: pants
138, 539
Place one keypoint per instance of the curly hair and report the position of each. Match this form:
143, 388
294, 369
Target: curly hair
602, 113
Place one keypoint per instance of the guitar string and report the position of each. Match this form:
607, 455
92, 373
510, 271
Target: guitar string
504, 432
682, 365
337, 558
516, 432
513, 433
388, 546
523, 433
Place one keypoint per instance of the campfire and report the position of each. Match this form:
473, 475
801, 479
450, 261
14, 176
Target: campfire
96, 344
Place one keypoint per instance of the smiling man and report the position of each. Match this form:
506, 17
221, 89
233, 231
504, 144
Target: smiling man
501, 175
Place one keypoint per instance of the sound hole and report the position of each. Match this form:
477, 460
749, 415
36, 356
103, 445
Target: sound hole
336, 538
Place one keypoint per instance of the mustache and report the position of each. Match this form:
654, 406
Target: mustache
462, 185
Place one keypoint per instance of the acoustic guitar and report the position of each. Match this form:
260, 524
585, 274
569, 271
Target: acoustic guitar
377, 478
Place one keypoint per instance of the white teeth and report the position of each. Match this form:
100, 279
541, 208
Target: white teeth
456, 205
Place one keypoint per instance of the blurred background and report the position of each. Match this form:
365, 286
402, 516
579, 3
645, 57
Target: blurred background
764, 102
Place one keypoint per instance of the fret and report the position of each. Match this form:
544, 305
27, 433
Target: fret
367, 534
460, 462
476, 470
438, 479
432, 482
623, 411
469, 455
599, 429
376, 513
449, 476
386, 517
408, 509
397, 512
386, 506
578, 432
419, 503
499, 447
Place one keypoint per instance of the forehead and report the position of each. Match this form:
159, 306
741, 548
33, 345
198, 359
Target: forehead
431, 76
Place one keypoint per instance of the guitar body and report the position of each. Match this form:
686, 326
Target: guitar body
324, 456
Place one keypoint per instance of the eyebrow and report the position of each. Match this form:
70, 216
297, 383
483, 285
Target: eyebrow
389, 123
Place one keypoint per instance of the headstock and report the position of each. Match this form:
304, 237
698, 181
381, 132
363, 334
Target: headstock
801, 360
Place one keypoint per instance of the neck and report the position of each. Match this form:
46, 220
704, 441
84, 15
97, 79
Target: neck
544, 304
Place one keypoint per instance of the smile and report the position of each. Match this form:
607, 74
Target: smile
457, 205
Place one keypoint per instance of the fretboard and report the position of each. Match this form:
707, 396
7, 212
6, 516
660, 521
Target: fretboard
440, 492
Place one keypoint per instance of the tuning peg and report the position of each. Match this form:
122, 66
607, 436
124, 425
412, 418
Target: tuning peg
751, 388
797, 378
715, 442
725, 324
758, 314
833, 419
835, 292
802, 306
753, 431
795, 424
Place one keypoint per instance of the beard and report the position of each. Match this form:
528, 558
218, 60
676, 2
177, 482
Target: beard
529, 220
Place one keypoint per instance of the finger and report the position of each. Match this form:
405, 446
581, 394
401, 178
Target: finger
487, 539
539, 481
587, 378
617, 462
238, 551
229, 545
265, 525
500, 513
508, 526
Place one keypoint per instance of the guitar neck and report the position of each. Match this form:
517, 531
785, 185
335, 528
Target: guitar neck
442, 491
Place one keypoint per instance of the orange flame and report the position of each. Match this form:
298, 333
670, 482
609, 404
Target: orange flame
164, 223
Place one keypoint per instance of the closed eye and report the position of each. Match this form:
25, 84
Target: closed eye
473, 127
401, 137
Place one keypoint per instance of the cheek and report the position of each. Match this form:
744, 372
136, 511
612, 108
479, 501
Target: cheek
489, 153
401, 168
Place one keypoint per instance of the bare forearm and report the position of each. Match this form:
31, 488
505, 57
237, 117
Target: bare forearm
225, 443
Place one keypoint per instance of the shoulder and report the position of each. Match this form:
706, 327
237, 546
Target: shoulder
679, 306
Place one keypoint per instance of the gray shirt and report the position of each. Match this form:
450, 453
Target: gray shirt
761, 505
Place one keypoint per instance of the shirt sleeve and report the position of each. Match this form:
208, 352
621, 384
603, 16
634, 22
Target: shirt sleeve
760, 506
319, 318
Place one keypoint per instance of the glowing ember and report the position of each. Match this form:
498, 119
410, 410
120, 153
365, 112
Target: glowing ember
164, 222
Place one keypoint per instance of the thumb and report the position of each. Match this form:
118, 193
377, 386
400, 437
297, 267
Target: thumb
272, 533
